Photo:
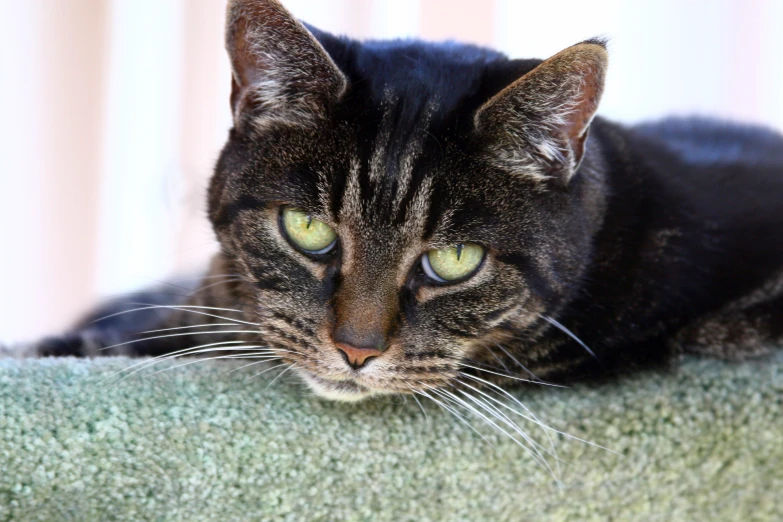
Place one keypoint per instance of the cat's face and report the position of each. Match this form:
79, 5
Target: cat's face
393, 224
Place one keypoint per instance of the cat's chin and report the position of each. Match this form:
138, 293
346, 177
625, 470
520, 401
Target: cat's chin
343, 391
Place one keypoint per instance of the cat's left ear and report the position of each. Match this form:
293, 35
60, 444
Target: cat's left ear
281, 73
538, 125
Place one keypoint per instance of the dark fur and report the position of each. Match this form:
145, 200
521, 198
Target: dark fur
668, 237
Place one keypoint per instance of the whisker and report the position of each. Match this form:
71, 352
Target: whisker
505, 418
195, 309
202, 288
169, 283
532, 416
238, 346
264, 371
508, 353
251, 355
501, 391
531, 451
568, 332
456, 403
246, 366
279, 375
543, 383
259, 349
456, 414
498, 359
532, 419
216, 276
270, 357
177, 335
146, 361
185, 327
181, 308
204, 348
420, 406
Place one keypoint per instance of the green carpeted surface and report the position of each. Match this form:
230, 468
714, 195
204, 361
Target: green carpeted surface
704, 442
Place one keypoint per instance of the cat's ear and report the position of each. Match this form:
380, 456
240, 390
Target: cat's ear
281, 73
538, 125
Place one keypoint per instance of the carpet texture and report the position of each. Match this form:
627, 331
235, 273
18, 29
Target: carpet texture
703, 442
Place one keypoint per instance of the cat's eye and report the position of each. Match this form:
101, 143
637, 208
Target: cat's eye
307, 233
453, 263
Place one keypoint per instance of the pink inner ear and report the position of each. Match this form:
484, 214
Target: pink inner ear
242, 59
585, 99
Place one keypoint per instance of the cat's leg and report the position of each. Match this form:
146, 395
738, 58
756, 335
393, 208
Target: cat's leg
737, 332
169, 318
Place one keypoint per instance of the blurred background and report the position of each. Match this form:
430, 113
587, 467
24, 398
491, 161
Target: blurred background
112, 113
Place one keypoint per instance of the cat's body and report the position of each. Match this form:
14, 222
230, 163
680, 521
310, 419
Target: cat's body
621, 247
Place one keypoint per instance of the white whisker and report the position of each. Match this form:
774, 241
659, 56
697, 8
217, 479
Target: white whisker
543, 383
517, 361
498, 359
247, 365
202, 288
533, 452
167, 357
270, 357
197, 310
279, 375
456, 414
221, 346
217, 276
181, 308
147, 361
186, 327
178, 335
568, 332
505, 418
420, 406
264, 371
501, 391
532, 418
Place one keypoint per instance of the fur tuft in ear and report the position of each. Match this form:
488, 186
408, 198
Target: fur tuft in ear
538, 125
281, 73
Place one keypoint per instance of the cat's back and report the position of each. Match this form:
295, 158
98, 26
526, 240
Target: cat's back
728, 170
713, 142
723, 183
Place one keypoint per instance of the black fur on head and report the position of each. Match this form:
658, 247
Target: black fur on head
402, 147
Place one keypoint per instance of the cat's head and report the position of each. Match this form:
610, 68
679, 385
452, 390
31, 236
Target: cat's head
399, 206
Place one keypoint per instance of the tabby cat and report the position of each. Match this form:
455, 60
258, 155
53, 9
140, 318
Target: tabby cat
396, 215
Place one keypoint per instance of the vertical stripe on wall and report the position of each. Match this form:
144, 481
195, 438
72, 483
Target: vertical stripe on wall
140, 151
203, 128
464, 20
51, 97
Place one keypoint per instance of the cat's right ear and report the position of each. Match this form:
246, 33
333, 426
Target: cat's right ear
537, 127
281, 73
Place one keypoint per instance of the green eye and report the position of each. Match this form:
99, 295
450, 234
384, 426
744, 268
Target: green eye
453, 263
311, 235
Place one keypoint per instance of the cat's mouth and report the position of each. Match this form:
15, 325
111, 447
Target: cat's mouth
342, 390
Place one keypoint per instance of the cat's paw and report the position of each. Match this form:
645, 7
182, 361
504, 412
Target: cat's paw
76, 344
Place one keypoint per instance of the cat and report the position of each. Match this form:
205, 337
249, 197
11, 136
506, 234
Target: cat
400, 216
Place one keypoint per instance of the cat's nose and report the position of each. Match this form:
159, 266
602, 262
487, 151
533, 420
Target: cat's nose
356, 357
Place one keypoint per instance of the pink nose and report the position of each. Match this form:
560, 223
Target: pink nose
356, 357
